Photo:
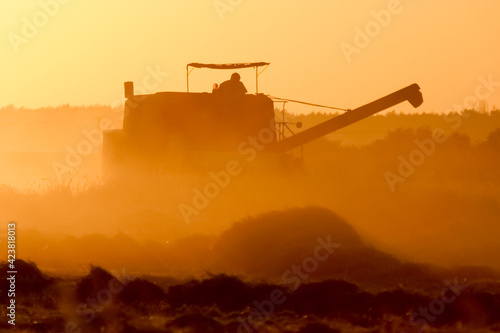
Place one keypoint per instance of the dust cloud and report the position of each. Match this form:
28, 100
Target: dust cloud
404, 194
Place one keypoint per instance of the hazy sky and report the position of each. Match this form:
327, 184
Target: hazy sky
82, 51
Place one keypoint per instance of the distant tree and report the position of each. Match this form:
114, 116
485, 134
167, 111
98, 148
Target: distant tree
493, 139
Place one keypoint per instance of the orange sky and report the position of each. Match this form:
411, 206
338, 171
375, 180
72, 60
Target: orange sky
83, 51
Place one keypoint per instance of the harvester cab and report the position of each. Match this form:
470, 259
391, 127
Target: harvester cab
182, 130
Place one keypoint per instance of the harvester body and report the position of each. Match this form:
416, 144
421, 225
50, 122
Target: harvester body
176, 127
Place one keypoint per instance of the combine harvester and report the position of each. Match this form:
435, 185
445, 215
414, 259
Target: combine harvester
189, 132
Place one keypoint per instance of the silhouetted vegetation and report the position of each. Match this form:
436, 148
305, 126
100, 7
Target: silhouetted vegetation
221, 303
32, 287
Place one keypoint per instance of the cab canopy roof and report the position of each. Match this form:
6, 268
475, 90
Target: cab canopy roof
228, 66
194, 65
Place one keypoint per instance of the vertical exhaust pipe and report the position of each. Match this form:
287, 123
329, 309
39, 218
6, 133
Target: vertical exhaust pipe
129, 89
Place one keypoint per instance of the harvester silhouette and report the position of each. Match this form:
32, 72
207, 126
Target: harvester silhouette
172, 130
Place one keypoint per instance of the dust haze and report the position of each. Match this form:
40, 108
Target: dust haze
445, 212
